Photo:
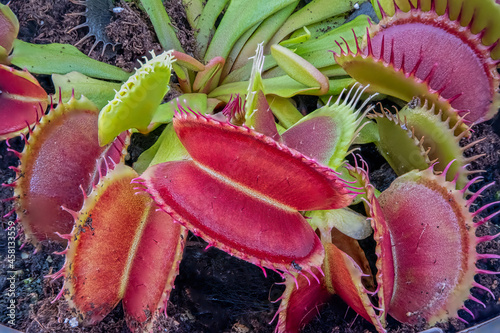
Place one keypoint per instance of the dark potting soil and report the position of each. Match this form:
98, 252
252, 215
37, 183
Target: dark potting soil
214, 292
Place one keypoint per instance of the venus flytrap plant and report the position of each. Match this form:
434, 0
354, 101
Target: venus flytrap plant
220, 161
219, 175
116, 222
246, 183
172, 196
266, 208
182, 194
190, 128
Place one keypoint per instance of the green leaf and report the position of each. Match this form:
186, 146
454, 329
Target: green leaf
240, 16
187, 61
333, 71
318, 29
303, 35
368, 134
166, 148
98, 91
283, 86
315, 11
183, 77
205, 25
263, 34
284, 110
165, 112
317, 51
62, 59
337, 85
235, 51
208, 78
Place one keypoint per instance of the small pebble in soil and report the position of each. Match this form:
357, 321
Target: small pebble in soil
239, 328
73, 322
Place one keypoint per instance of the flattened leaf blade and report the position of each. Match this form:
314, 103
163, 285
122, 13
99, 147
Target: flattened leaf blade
64, 58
